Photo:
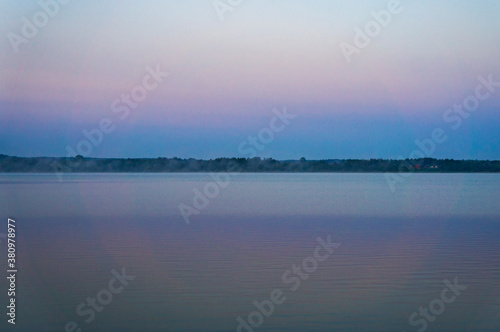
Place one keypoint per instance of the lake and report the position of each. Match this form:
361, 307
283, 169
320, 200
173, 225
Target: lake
254, 252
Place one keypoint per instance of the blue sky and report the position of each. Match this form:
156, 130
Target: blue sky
226, 77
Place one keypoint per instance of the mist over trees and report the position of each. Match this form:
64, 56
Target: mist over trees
79, 164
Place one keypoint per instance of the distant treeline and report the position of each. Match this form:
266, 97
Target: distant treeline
79, 164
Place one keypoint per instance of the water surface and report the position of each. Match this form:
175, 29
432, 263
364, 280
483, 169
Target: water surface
396, 249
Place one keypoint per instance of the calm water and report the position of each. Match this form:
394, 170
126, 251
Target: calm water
396, 250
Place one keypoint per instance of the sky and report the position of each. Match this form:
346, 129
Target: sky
218, 72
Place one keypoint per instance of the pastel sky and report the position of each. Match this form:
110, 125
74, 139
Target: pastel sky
227, 76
